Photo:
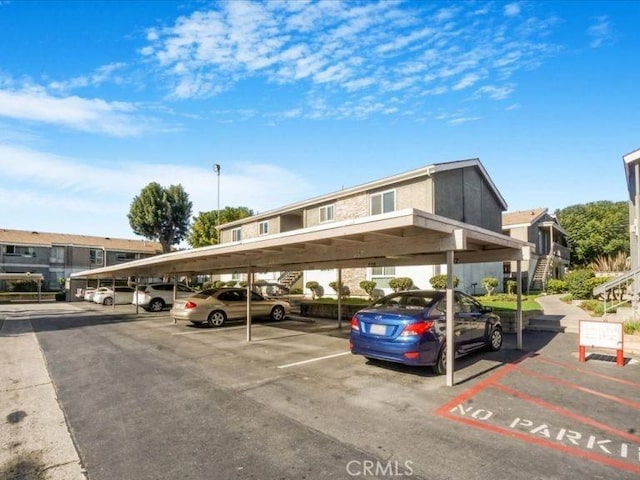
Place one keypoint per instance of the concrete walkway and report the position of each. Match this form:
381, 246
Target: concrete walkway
35, 442
568, 315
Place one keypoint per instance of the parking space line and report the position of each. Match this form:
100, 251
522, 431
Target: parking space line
566, 413
460, 409
594, 457
314, 359
586, 372
564, 383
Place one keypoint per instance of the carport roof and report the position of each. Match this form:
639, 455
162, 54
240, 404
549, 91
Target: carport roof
406, 237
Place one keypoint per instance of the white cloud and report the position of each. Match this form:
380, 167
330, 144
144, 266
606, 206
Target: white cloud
466, 81
336, 49
495, 93
52, 189
600, 32
35, 104
512, 10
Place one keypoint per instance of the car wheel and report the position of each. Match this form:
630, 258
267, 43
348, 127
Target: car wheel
440, 368
495, 339
216, 318
277, 313
156, 305
107, 301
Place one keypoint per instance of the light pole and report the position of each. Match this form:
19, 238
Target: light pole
216, 169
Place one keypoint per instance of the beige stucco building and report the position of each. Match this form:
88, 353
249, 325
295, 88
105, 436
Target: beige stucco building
460, 190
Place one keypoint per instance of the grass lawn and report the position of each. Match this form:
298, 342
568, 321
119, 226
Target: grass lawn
497, 302
508, 302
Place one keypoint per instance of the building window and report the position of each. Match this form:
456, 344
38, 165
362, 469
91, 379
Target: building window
125, 256
236, 234
382, 275
96, 256
383, 202
327, 213
19, 251
263, 228
57, 255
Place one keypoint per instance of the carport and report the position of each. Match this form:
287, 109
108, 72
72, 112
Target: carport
405, 237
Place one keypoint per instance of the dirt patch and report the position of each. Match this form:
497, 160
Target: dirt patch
16, 417
24, 467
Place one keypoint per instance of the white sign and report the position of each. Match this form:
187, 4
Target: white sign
601, 334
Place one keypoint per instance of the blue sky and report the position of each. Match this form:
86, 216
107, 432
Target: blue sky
298, 99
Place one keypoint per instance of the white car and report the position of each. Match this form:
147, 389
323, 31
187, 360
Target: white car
123, 295
155, 296
90, 292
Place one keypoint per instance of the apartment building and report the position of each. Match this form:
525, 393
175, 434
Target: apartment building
460, 190
57, 255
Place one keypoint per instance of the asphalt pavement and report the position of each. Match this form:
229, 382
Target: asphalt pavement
99, 393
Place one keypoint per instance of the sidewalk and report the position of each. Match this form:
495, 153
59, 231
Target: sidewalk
35, 442
569, 316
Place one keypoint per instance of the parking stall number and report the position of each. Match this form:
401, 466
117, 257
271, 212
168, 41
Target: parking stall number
561, 435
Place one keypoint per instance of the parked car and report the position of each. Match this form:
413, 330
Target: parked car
409, 327
155, 296
90, 292
123, 295
217, 305
81, 292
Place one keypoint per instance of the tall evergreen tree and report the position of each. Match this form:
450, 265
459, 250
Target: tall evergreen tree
161, 214
595, 229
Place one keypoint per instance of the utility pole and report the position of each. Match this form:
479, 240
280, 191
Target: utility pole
216, 169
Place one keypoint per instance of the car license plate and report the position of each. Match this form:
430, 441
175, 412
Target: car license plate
378, 329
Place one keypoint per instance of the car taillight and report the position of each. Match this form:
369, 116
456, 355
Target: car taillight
416, 328
190, 304
354, 324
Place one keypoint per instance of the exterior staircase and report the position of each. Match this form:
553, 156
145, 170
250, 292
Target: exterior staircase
540, 274
289, 279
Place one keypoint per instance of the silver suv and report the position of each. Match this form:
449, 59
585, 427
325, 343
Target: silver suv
155, 296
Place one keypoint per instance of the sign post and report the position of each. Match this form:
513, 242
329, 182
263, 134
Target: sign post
597, 334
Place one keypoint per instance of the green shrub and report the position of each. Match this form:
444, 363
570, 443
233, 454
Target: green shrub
295, 291
555, 285
231, 283
590, 305
368, 286
316, 289
338, 287
400, 283
578, 283
510, 286
568, 298
489, 284
631, 328
243, 284
439, 282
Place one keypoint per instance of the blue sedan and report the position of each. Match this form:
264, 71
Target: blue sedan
409, 327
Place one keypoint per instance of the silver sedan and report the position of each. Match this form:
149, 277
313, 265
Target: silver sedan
218, 305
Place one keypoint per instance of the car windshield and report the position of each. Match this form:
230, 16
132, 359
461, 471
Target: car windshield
416, 301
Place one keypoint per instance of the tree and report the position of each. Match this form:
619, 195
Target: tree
161, 214
368, 286
400, 283
489, 284
439, 282
595, 229
203, 228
